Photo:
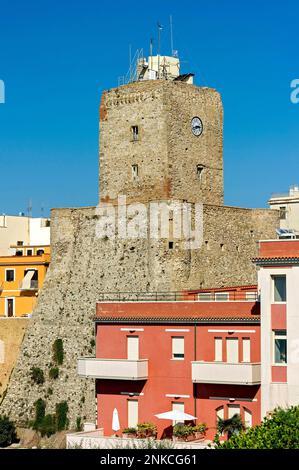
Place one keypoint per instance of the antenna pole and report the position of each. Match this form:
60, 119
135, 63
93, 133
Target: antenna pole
130, 61
171, 35
159, 45
151, 54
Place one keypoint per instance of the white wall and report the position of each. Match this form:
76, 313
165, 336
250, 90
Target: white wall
39, 234
17, 228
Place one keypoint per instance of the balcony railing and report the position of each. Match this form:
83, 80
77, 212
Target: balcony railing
245, 373
113, 369
33, 285
250, 296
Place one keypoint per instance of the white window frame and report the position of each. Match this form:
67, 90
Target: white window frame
14, 274
132, 424
29, 249
273, 276
274, 337
6, 306
219, 294
173, 338
204, 296
219, 340
248, 342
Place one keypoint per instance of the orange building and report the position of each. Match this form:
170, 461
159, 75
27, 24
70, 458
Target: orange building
21, 277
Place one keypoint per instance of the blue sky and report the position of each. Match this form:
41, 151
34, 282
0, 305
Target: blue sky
57, 57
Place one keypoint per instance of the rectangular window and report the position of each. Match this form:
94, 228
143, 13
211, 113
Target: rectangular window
282, 213
199, 172
132, 413
246, 349
20, 243
221, 296
205, 296
178, 347
247, 418
29, 252
10, 275
134, 172
233, 410
135, 133
19, 252
176, 406
133, 348
280, 288
218, 349
280, 347
232, 350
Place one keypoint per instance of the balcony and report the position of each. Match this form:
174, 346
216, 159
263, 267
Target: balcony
113, 369
226, 373
29, 286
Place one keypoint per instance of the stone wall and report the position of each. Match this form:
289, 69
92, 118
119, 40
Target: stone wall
83, 266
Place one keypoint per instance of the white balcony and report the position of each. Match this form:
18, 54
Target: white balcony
113, 369
246, 373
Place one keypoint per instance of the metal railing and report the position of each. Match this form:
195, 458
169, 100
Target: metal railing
250, 296
32, 286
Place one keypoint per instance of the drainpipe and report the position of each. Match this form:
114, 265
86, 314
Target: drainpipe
195, 358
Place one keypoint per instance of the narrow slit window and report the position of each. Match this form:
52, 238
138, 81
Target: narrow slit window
134, 172
199, 171
135, 133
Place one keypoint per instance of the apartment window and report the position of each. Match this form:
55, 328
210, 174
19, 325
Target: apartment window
134, 172
280, 347
280, 288
135, 133
19, 252
20, 243
233, 410
10, 275
247, 418
282, 213
221, 296
246, 349
133, 348
40, 252
232, 350
178, 347
205, 296
132, 413
218, 349
29, 252
177, 406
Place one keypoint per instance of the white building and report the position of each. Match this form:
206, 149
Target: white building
22, 231
288, 206
278, 279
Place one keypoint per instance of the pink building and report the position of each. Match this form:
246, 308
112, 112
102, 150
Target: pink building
196, 351
278, 279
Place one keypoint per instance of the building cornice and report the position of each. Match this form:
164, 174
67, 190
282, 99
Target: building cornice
181, 320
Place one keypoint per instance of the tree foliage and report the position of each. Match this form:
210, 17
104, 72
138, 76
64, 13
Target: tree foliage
280, 431
8, 433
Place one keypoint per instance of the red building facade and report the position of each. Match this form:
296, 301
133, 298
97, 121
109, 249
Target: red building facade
198, 352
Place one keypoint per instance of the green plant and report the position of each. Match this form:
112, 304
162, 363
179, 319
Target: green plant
230, 426
146, 430
61, 415
50, 391
280, 431
54, 373
200, 428
58, 353
78, 424
37, 375
92, 343
40, 409
130, 431
8, 433
182, 430
48, 426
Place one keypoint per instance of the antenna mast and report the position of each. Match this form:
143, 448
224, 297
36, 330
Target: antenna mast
171, 34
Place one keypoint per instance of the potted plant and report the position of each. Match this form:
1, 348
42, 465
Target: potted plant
129, 432
146, 430
183, 432
200, 430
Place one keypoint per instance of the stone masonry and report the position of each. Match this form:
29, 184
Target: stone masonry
83, 266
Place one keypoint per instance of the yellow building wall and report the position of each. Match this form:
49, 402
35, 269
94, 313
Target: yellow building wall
24, 301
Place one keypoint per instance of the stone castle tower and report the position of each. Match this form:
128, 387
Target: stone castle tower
159, 140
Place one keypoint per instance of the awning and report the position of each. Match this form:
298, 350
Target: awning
26, 283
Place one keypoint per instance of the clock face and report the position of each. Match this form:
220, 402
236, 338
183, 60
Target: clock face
197, 126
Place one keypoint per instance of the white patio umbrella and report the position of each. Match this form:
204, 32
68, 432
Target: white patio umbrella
176, 415
115, 421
